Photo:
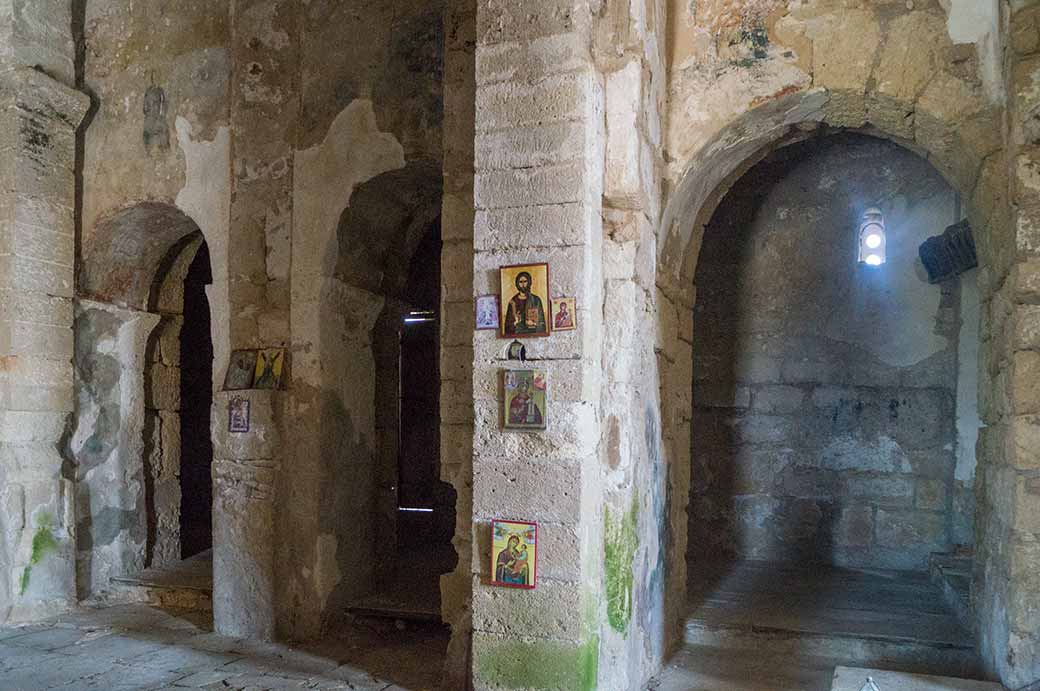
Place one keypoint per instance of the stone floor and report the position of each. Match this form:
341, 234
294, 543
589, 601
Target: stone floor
127, 647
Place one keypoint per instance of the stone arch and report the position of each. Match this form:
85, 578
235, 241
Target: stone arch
126, 440
959, 140
347, 381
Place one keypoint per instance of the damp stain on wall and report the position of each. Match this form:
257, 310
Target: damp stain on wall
619, 551
540, 665
43, 543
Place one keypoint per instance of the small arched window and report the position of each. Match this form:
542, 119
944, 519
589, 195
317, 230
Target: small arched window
872, 238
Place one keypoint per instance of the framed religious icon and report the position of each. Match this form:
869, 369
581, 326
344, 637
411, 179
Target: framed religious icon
525, 404
524, 308
270, 363
514, 554
564, 314
238, 415
240, 370
487, 312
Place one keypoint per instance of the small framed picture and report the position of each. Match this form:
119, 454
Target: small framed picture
487, 312
238, 415
270, 363
240, 370
514, 554
524, 300
564, 314
525, 404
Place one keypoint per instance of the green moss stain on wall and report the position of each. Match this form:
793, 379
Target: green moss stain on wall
619, 552
43, 543
549, 665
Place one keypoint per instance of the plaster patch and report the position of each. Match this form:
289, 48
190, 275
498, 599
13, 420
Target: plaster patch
325, 176
978, 22
206, 198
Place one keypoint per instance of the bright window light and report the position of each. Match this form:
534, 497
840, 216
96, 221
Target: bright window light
871, 238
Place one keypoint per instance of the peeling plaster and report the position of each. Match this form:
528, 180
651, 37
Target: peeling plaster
206, 198
353, 151
978, 22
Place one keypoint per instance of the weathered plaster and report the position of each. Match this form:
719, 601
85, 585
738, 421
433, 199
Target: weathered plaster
978, 22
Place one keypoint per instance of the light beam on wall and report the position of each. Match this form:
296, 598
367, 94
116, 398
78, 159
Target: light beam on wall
872, 238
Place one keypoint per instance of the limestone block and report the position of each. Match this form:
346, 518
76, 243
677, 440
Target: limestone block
930, 495
855, 526
1025, 279
457, 272
778, 399
36, 276
721, 395
163, 388
549, 609
532, 61
456, 403
1025, 323
573, 432
562, 98
897, 528
520, 227
27, 427
914, 48
1023, 440
1025, 31
531, 146
503, 189
499, 21
885, 491
1027, 505
263, 439
843, 55
622, 179
544, 489
570, 273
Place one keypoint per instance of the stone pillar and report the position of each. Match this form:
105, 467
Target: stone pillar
538, 197
264, 109
245, 468
456, 402
38, 120
1007, 586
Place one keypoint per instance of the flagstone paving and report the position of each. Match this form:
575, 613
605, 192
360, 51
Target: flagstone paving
131, 647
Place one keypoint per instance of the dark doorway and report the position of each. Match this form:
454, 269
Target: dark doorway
426, 512
196, 398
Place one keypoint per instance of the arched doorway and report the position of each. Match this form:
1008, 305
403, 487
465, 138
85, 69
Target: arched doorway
143, 381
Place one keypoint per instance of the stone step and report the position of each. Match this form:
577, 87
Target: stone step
854, 679
887, 652
952, 573
697, 668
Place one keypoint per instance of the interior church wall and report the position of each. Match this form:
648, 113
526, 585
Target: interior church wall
366, 183
158, 77
824, 390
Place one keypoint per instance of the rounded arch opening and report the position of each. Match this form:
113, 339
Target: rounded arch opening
144, 385
974, 169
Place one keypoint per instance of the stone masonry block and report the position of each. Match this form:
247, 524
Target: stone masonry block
777, 399
503, 189
1023, 440
1027, 505
573, 432
548, 489
35, 276
22, 426
1024, 379
909, 528
531, 146
1026, 320
523, 227
532, 61
550, 609
1026, 281
500, 21
511, 104
163, 388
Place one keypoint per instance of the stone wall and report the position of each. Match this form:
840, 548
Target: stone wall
824, 391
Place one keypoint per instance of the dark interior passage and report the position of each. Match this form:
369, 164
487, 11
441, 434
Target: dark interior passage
196, 519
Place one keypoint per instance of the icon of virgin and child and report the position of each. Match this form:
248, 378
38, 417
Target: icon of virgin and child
511, 564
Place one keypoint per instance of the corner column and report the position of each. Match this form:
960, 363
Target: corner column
538, 198
38, 121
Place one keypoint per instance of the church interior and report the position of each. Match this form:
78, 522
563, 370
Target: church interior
534, 345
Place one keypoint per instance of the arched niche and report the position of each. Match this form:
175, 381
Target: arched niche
141, 268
